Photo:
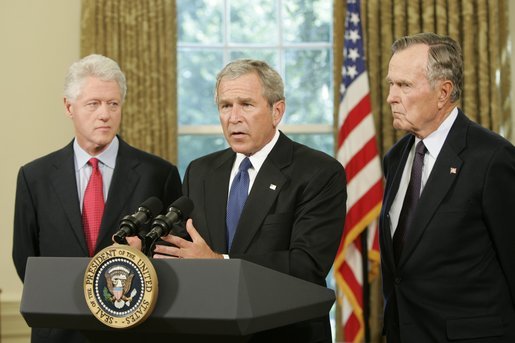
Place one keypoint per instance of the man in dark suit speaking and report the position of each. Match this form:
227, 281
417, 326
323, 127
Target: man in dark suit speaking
448, 221
70, 202
266, 199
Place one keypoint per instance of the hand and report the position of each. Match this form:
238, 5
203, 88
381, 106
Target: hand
182, 248
133, 241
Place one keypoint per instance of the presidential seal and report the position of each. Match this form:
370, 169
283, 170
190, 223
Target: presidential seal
120, 286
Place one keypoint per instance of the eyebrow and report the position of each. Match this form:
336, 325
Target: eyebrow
406, 81
238, 100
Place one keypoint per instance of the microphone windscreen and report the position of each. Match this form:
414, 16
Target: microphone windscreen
183, 204
153, 205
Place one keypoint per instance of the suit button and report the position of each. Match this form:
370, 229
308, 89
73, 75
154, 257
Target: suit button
397, 280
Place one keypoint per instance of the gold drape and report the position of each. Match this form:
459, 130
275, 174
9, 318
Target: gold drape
141, 37
338, 31
481, 28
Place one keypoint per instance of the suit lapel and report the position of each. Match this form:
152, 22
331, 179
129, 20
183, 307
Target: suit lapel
399, 169
390, 195
123, 183
215, 207
65, 184
266, 188
439, 183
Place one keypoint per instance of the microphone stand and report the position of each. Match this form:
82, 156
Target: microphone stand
148, 244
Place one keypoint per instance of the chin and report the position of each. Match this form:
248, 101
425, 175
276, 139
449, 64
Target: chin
103, 142
240, 149
105, 138
398, 125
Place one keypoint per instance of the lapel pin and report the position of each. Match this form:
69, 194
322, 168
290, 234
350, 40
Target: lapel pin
273, 187
453, 170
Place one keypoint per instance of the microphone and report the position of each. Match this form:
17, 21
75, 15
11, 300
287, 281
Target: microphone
130, 224
178, 211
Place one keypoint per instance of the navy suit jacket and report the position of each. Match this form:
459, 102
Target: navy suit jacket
292, 221
48, 221
456, 275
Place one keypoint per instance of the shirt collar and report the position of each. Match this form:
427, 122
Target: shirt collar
435, 140
257, 159
107, 157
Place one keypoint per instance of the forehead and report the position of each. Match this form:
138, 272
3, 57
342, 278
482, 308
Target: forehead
247, 85
410, 62
97, 88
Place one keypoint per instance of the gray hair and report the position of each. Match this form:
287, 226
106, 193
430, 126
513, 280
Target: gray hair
271, 81
93, 65
445, 61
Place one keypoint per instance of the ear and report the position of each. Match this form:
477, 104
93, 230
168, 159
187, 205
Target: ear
446, 89
277, 112
67, 107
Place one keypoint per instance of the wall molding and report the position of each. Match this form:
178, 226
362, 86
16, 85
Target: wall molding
13, 326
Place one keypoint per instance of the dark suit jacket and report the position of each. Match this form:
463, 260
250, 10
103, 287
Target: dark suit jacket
294, 228
456, 275
47, 220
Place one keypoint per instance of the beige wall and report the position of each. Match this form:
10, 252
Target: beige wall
39, 39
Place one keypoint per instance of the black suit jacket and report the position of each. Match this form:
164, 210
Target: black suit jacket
292, 221
456, 276
47, 220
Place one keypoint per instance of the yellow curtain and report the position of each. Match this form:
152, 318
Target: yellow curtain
481, 28
141, 37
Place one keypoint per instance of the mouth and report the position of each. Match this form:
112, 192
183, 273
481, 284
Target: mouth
238, 134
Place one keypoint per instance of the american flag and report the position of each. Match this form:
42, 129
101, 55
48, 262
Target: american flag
357, 151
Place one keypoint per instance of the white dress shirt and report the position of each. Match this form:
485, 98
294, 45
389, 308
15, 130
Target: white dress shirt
107, 162
433, 143
257, 159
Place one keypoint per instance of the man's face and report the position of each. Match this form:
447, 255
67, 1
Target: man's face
414, 103
248, 122
96, 114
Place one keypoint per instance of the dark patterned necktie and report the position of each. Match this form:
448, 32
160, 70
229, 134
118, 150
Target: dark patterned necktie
93, 206
237, 197
410, 201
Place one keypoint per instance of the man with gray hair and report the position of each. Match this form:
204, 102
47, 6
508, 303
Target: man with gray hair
266, 199
447, 222
70, 202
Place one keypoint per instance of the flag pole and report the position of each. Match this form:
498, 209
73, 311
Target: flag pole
366, 284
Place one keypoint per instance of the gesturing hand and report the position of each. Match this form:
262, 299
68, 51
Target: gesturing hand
182, 248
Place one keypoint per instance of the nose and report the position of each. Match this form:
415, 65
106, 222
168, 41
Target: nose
103, 112
235, 114
393, 96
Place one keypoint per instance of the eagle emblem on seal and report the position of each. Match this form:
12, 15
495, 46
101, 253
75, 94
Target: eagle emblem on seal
119, 281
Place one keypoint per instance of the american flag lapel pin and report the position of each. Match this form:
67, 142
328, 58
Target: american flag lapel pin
453, 170
273, 187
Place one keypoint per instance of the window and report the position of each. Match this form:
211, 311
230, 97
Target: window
293, 36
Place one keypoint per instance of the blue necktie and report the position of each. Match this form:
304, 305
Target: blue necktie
237, 197
410, 201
